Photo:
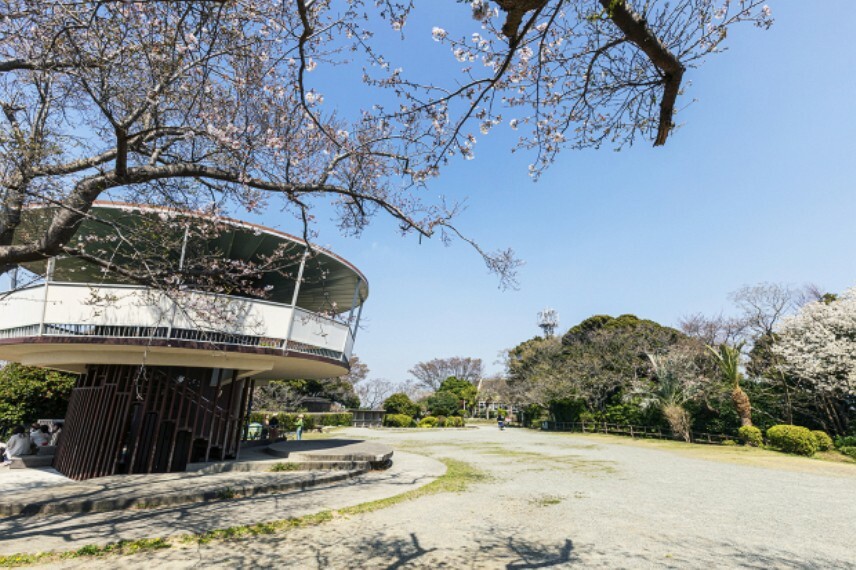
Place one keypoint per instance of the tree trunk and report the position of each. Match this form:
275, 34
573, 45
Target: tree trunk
744, 407
836, 415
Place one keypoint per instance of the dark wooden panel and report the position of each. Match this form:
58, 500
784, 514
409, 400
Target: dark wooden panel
128, 419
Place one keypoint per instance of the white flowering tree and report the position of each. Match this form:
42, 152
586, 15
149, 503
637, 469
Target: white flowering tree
818, 346
221, 105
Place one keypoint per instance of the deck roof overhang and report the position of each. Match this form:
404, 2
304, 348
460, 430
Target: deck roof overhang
328, 283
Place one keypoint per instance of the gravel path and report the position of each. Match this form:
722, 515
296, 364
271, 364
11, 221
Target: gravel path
561, 500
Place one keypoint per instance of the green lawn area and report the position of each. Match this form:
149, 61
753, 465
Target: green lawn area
827, 463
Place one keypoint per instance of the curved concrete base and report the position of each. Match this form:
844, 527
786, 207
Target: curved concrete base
63, 532
311, 463
377, 455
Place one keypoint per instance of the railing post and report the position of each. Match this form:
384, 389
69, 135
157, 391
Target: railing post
357, 324
49, 273
354, 303
181, 259
294, 299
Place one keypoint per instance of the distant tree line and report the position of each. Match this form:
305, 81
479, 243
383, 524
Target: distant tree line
788, 357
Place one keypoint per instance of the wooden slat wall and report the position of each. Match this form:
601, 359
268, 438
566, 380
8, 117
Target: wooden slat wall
125, 419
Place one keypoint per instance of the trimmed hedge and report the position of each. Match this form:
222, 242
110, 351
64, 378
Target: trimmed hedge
845, 441
428, 422
397, 420
792, 439
335, 419
750, 435
287, 422
848, 450
822, 439
455, 421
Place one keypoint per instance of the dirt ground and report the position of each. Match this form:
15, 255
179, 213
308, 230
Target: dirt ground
561, 500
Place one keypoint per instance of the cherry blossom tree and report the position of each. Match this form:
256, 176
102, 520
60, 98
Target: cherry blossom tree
818, 346
214, 106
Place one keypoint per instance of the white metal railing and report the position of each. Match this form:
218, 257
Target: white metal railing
121, 311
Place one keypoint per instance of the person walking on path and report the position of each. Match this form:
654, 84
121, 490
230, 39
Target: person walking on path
500, 421
273, 424
299, 426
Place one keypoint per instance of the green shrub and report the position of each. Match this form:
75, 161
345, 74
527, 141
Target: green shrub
287, 420
335, 419
397, 420
442, 421
455, 421
308, 422
400, 403
792, 439
729, 442
848, 450
845, 441
28, 394
428, 422
443, 404
822, 439
750, 435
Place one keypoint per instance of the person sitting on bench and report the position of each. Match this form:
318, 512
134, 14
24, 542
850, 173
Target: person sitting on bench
18, 445
41, 437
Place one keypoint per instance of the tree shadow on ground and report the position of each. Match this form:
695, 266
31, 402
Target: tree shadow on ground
534, 555
394, 547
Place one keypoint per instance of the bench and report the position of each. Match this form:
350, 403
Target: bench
43, 457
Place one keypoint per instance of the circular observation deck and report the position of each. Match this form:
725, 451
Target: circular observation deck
293, 310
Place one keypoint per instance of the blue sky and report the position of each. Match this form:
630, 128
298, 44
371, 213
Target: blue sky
756, 185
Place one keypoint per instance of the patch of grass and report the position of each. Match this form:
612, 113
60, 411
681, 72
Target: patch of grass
516, 454
589, 466
546, 500
123, 547
251, 530
574, 461
13, 560
829, 463
226, 493
458, 477
834, 456
285, 467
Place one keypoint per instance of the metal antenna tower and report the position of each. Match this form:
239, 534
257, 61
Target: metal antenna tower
548, 320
